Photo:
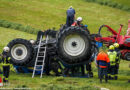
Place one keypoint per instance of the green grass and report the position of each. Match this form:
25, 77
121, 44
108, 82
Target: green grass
68, 83
45, 14
6, 35
123, 2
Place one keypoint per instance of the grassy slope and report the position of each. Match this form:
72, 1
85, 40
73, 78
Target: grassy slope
6, 35
46, 14
123, 2
38, 14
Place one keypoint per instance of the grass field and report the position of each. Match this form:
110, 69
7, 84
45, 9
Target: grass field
6, 35
67, 83
44, 14
123, 2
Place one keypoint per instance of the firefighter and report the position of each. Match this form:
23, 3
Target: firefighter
89, 70
70, 16
78, 22
116, 45
6, 64
103, 63
112, 56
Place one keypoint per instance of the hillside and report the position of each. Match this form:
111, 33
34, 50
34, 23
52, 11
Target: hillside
123, 2
6, 35
44, 14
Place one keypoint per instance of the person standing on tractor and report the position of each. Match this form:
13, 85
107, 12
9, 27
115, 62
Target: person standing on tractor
112, 56
6, 64
70, 16
116, 45
103, 63
78, 22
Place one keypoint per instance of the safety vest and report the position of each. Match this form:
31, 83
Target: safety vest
6, 61
112, 57
118, 56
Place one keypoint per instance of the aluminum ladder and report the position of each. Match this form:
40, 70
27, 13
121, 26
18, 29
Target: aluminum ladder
40, 58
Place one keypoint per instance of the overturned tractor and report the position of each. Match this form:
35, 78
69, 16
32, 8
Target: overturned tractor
70, 45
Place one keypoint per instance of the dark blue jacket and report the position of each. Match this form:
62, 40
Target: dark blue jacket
70, 12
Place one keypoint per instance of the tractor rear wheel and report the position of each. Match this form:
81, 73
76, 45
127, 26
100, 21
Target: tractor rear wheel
74, 45
21, 51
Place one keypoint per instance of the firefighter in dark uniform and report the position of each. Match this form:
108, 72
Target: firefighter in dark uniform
112, 56
89, 70
70, 16
6, 64
116, 45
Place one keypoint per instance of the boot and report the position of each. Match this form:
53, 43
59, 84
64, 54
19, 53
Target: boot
106, 80
112, 78
4, 80
116, 77
109, 77
91, 74
100, 80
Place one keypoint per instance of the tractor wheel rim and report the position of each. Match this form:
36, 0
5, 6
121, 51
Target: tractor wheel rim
74, 45
19, 51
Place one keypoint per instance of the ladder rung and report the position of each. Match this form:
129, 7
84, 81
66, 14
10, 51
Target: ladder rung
39, 61
42, 52
39, 65
40, 56
42, 47
38, 69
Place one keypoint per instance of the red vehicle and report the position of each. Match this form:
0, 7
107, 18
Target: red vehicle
123, 40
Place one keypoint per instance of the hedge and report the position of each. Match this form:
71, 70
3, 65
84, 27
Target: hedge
111, 4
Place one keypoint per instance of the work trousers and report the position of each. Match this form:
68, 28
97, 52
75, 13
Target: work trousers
6, 70
69, 20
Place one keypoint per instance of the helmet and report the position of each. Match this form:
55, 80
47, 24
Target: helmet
6, 49
32, 41
116, 45
79, 19
111, 47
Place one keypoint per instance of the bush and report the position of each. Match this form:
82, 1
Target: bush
110, 4
17, 26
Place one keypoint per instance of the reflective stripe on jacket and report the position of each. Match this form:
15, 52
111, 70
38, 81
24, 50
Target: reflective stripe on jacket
112, 56
103, 60
6, 61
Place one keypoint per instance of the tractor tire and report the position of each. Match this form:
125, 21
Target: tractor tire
74, 45
127, 56
21, 52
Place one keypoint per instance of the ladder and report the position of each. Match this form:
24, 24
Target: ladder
40, 58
